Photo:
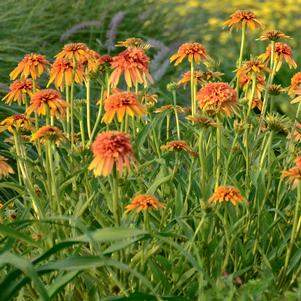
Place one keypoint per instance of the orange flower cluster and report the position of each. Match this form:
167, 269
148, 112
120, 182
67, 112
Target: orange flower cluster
246, 81
226, 194
273, 35
31, 65
294, 173
217, 98
61, 73
243, 17
5, 169
179, 145
17, 122
194, 51
48, 133
19, 90
77, 51
133, 63
45, 100
295, 87
282, 53
122, 103
250, 67
111, 149
143, 202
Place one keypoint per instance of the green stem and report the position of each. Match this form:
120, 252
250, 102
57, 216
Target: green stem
68, 110
241, 53
115, 196
202, 158
192, 87
88, 106
218, 154
174, 97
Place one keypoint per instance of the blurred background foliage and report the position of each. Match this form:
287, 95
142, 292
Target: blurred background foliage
44, 26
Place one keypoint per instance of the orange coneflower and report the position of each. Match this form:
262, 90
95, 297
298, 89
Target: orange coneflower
203, 121
109, 149
296, 133
17, 122
31, 65
5, 168
273, 35
295, 84
243, 17
226, 194
105, 59
179, 109
149, 99
133, 63
61, 73
133, 43
19, 90
217, 98
76, 51
48, 133
179, 145
282, 52
252, 66
294, 173
195, 52
122, 103
144, 202
257, 103
246, 82
92, 62
186, 77
45, 100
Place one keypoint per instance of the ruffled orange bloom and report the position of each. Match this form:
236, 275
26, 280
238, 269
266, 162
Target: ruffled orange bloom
78, 51
133, 43
5, 169
203, 121
250, 67
294, 173
144, 202
226, 194
133, 63
105, 59
179, 109
194, 51
92, 62
17, 122
61, 73
273, 35
19, 90
31, 65
282, 53
241, 17
45, 100
296, 133
246, 82
179, 145
295, 84
48, 133
111, 149
257, 103
122, 103
217, 98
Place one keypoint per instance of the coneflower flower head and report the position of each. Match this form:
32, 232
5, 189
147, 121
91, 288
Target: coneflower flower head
203, 121
243, 17
282, 53
179, 145
32, 65
61, 73
226, 194
277, 123
74, 51
5, 168
111, 149
217, 98
133, 43
295, 87
294, 173
273, 35
121, 104
19, 90
45, 100
252, 66
48, 133
143, 202
133, 63
195, 52
17, 122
